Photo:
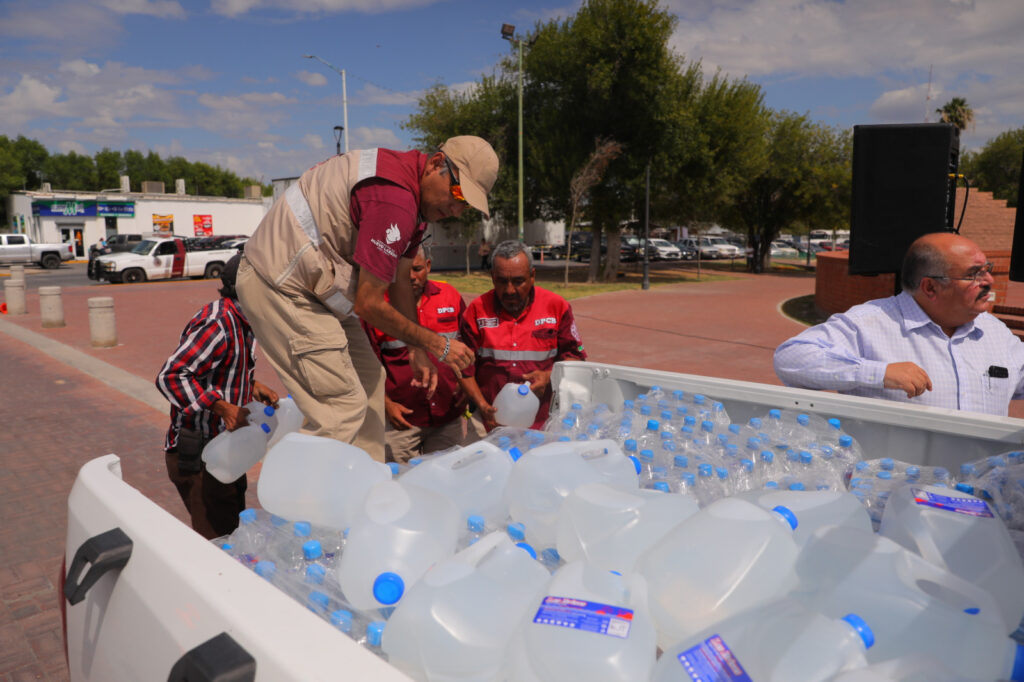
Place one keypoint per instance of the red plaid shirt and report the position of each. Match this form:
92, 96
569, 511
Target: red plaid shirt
215, 360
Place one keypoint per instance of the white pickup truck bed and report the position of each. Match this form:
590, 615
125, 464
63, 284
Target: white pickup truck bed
176, 591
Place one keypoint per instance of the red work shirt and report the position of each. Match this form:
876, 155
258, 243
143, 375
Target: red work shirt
439, 309
508, 347
386, 217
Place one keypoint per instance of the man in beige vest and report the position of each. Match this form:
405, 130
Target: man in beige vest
328, 251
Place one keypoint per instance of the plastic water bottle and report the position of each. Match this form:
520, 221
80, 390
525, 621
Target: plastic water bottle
455, 623
960, 533
611, 528
913, 606
398, 533
782, 642
249, 541
815, 509
320, 480
516, 405
232, 453
591, 624
545, 476
731, 556
473, 477
289, 420
261, 414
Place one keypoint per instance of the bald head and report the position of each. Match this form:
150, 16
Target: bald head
949, 278
931, 255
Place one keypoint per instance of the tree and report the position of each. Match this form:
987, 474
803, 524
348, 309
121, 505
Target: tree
604, 153
70, 171
109, 168
958, 112
996, 168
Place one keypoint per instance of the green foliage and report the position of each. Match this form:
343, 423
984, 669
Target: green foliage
958, 112
996, 168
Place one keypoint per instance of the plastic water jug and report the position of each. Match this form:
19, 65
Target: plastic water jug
543, 477
398, 533
729, 557
516, 405
591, 624
231, 453
473, 477
455, 623
782, 641
960, 533
289, 420
611, 528
316, 479
913, 606
815, 509
261, 414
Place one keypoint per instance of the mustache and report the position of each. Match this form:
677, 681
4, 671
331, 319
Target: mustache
983, 293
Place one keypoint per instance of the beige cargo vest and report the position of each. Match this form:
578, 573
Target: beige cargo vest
305, 243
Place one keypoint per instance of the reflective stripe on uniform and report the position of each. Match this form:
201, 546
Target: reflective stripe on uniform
367, 164
517, 355
339, 304
450, 335
393, 344
303, 214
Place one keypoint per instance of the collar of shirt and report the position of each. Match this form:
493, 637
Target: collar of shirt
236, 305
914, 317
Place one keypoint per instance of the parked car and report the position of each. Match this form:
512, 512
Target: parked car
663, 249
578, 240
725, 249
19, 248
783, 250
686, 251
703, 247
162, 258
119, 243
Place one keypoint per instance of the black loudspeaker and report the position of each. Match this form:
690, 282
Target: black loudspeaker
902, 189
1017, 255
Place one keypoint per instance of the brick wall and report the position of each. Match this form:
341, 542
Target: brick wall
988, 222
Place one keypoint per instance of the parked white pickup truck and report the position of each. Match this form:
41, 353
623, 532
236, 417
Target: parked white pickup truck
149, 599
162, 258
19, 248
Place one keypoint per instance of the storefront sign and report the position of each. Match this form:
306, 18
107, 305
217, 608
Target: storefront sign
63, 208
115, 209
203, 225
163, 224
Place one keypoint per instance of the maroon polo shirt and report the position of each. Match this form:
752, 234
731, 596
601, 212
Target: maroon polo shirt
439, 309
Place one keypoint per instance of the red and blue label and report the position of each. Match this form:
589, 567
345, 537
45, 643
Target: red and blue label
588, 616
712, 661
971, 506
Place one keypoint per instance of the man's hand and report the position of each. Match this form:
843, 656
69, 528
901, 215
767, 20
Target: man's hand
459, 356
424, 371
233, 416
539, 380
396, 414
906, 376
264, 394
487, 412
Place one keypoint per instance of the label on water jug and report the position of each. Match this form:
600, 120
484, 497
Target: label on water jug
712, 661
971, 506
588, 616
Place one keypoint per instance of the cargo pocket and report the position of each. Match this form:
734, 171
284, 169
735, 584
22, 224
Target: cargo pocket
324, 364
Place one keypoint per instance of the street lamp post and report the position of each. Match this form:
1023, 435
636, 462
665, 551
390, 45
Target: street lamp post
508, 33
344, 94
338, 130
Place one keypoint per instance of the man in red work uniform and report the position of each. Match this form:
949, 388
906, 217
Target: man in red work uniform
518, 332
418, 423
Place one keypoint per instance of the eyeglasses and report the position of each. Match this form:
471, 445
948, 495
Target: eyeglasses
975, 276
453, 183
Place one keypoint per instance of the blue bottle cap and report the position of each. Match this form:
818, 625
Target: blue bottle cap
394, 468
707, 426
523, 389
687, 430
681, 461
662, 486
576, 406
858, 624
972, 611
645, 410
315, 574
227, 546
688, 478
887, 463
755, 422
568, 422
317, 601
265, 428
787, 514
516, 531
796, 486
564, 439
268, 410
723, 438
375, 632
834, 423
311, 550
475, 523
415, 461
885, 475
699, 399
803, 419
678, 395
747, 464
636, 464
504, 442
388, 588
628, 404
301, 529
265, 569
653, 425
629, 444
767, 456
722, 473
967, 469
771, 485
705, 470
666, 415
845, 441
775, 414
965, 488
342, 619
647, 456
913, 471
753, 443
806, 457
690, 420
247, 516
515, 453
527, 548
551, 555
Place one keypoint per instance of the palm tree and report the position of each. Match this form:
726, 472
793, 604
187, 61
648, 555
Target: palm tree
958, 112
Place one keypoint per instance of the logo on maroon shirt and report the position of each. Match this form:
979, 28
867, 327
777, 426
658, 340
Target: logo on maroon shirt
486, 322
544, 320
445, 309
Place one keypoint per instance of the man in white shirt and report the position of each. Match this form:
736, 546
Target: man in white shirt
933, 344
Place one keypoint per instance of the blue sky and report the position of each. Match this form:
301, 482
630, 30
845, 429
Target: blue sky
224, 81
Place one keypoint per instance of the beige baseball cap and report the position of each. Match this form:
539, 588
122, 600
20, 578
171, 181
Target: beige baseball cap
478, 168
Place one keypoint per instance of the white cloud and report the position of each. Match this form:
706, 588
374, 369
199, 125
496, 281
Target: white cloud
243, 102
373, 95
233, 8
79, 68
310, 78
905, 105
313, 141
30, 99
365, 138
68, 24
156, 8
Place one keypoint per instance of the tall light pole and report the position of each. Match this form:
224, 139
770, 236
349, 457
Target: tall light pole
344, 94
508, 33
338, 130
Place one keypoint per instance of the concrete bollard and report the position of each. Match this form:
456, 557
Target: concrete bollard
102, 325
51, 308
14, 296
18, 272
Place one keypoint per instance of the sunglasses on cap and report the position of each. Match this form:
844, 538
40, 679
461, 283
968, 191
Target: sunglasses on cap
453, 183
